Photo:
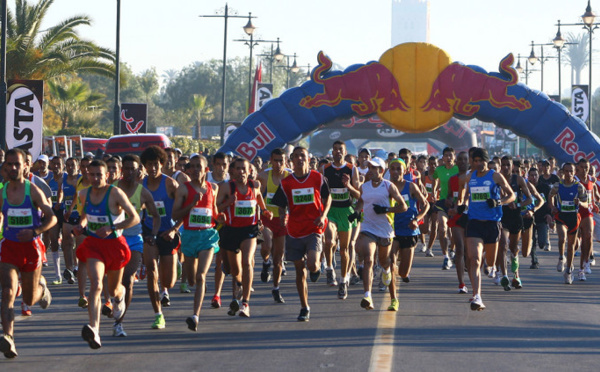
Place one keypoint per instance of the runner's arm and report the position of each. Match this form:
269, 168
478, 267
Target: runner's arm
148, 202
415, 192
179, 210
505, 187
41, 202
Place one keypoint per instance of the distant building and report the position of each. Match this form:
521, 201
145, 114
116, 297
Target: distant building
410, 21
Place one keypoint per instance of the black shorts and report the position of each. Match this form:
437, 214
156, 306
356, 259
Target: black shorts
60, 216
488, 231
463, 221
527, 223
440, 206
407, 241
432, 209
232, 237
570, 220
512, 220
165, 247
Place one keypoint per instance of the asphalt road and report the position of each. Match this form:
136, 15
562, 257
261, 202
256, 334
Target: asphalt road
546, 325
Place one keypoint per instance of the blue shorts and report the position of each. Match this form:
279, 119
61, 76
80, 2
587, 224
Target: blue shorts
135, 243
194, 241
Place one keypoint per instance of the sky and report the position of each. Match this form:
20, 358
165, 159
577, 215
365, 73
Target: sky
171, 35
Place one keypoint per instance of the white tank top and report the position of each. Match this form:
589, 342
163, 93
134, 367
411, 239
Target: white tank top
376, 224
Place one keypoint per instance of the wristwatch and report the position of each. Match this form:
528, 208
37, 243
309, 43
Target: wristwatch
113, 228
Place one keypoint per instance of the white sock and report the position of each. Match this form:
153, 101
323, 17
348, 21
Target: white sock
56, 259
195, 317
368, 294
388, 270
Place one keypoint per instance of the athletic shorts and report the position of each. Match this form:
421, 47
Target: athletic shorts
26, 256
195, 241
432, 209
488, 231
165, 247
232, 237
585, 212
382, 242
135, 243
339, 216
60, 216
527, 223
275, 226
407, 241
512, 220
440, 206
570, 220
113, 252
297, 248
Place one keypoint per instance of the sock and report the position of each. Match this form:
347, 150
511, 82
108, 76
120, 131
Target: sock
368, 294
157, 314
307, 308
276, 288
387, 271
195, 317
268, 262
56, 259
329, 267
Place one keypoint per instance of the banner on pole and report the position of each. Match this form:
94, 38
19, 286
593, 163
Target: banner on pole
264, 92
580, 104
133, 118
24, 116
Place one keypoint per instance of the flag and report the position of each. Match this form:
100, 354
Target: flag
257, 79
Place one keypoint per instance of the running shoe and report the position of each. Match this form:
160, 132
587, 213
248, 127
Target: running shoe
505, 283
245, 310
406, 279
386, 278
592, 260
7, 347
367, 303
234, 306
561, 264
184, 288
304, 315
547, 248
69, 276
57, 281
354, 280
423, 249
382, 286
331, 278
314, 277
568, 275
91, 337
283, 269
277, 296
497, 278
46, 299
394, 305
463, 288
429, 253
19, 290
83, 302
118, 330
265, 273
192, 323
159, 322
514, 264
587, 268
143, 272
215, 302
118, 307
165, 300
581, 276
492, 272
534, 266
516, 283
342, 291
477, 304
577, 253
107, 309
25, 310
447, 263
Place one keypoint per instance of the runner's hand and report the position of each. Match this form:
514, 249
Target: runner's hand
493, 203
380, 209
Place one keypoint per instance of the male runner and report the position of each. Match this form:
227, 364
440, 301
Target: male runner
542, 218
441, 175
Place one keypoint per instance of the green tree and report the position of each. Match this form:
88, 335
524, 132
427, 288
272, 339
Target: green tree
75, 103
33, 53
199, 111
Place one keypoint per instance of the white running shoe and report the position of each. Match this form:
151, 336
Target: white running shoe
118, 307
561, 264
118, 330
477, 304
498, 277
581, 276
587, 268
568, 275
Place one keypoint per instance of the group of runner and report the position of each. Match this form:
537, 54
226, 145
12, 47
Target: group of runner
162, 216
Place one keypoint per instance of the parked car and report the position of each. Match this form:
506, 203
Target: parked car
135, 143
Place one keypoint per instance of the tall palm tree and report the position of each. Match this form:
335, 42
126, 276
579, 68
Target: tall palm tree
75, 103
44, 54
576, 55
200, 110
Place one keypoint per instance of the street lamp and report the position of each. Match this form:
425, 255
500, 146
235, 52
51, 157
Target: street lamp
293, 68
275, 55
225, 17
533, 58
559, 43
117, 109
3, 85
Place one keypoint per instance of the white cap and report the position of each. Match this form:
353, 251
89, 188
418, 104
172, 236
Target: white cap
377, 162
43, 157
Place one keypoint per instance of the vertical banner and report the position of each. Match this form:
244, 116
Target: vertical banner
253, 97
61, 145
24, 115
580, 104
133, 118
230, 127
264, 92
76, 145
48, 146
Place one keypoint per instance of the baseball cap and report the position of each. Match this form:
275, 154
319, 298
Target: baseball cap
377, 162
43, 157
545, 162
364, 149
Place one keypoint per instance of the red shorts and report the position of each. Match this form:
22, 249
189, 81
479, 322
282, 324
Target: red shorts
275, 226
114, 253
585, 212
26, 256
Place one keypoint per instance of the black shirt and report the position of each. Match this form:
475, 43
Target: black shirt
544, 190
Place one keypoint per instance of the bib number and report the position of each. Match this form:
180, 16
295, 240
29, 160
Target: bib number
568, 206
200, 217
95, 223
20, 217
480, 193
303, 196
162, 211
245, 208
340, 194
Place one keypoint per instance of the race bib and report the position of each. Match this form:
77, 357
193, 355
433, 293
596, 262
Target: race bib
200, 217
54, 196
568, 206
68, 202
429, 187
162, 211
19, 217
303, 196
455, 194
270, 196
245, 208
480, 193
95, 223
341, 194
406, 198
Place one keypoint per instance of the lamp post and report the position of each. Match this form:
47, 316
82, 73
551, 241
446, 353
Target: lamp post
3, 85
293, 68
525, 71
559, 43
226, 17
276, 56
533, 58
117, 108
588, 19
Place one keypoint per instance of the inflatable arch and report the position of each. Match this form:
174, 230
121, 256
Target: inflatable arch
416, 88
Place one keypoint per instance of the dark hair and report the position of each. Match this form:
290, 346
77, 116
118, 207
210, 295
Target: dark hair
132, 157
338, 142
153, 153
16, 151
116, 160
405, 151
583, 161
448, 149
219, 155
481, 153
277, 151
507, 157
533, 169
98, 163
421, 157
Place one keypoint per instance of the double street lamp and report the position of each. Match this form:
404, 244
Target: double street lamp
533, 59
294, 68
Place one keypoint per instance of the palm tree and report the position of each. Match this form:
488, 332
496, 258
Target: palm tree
576, 55
75, 103
44, 54
200, 110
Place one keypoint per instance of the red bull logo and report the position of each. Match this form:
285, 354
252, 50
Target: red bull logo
372, 87
250, 149
458, 87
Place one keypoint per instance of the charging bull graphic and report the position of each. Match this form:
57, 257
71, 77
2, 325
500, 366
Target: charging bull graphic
434, 89
385, 96
458, 87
